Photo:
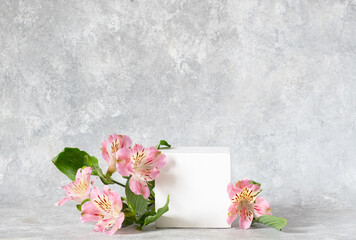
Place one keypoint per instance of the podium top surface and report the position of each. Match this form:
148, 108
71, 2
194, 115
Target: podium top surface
196, 150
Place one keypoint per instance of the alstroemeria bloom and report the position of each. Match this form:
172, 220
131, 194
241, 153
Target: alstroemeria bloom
245, 203
116, 152
79, 189
105, 209
144, 166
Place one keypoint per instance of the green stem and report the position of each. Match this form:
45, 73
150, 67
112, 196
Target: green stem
122, 185
153, 194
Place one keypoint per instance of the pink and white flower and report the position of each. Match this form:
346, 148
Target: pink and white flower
115, 150
105, 209
245, 203
79, 189
144, 164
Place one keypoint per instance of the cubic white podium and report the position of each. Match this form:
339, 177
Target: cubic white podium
196, 179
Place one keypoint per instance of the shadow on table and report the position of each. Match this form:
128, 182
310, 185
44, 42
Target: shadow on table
133, 230
297, 220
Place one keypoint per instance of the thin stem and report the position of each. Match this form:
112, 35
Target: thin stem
122, 185
153, 194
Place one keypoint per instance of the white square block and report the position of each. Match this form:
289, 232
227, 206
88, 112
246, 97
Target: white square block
196, 179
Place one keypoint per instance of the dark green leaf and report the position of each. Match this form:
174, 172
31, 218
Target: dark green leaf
256, 183
130, 216
163, 143
138, 203
144, 216
79, 206
272, 221
71, 159
159, 213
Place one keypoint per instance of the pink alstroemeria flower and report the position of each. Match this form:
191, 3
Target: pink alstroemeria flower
245, 203
105, 209
144, 166
116, 152
79, 189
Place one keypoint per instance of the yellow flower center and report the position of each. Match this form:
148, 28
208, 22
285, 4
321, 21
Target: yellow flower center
245, 196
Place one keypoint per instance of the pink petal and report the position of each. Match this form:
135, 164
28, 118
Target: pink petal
86, 172
104, 151
106, 190
255, 188
123, 169
115, 199
246, 217
90, 213
242, 183
232, 214
232, 190
63, 201
126, 141
112, 138
87, 192
136, 149
153, 174
104, 224
117, 225
154, 158
94, 193
151, 153
261, 207
78, 176
245, 222
139, 187
101, 226
123, 154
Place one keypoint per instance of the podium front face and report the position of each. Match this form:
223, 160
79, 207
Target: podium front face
196, 179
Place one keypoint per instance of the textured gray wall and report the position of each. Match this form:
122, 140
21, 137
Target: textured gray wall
274, 80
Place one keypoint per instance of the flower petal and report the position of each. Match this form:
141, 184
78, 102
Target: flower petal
78, 176
232, 214
104, 150
90, 213
261, 207
123, 159
139, 187
245, 221
95, 192
232, 190
86, 172
117, 225
136, 149
242, 183
126, 141
63, 201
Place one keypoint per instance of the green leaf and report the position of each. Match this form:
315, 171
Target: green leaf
141, 221
159, 213
130, 216
79, 206
71, 159
272, 221
256, 183
163, 143
137, 202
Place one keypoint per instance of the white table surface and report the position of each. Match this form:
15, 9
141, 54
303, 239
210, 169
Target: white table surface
42, 220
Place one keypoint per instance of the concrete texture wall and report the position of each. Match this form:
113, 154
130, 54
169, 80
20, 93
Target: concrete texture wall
274, 80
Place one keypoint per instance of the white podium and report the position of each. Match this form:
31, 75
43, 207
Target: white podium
196, 179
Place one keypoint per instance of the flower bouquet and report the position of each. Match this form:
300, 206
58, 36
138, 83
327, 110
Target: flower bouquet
139, 167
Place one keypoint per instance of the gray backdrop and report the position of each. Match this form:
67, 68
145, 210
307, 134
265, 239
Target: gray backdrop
273, 80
